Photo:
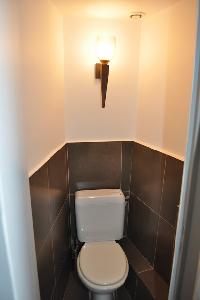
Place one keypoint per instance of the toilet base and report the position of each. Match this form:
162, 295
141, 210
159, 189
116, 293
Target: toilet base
95, 296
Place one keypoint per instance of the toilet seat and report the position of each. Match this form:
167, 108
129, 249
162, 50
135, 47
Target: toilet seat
102, 265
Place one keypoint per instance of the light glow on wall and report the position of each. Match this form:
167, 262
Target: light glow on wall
105, 47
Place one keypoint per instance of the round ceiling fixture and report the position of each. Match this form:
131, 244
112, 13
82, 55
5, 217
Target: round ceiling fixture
137, 15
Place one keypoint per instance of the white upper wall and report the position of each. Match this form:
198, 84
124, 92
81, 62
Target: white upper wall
110, 8
85, 119
42, 79
150, 82
149, 86
165, 80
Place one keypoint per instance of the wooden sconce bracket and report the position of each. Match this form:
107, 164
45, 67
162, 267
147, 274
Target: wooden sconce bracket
102, 72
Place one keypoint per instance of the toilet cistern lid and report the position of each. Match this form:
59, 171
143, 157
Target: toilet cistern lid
103, 263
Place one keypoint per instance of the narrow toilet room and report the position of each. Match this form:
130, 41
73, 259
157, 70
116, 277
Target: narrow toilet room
96, 135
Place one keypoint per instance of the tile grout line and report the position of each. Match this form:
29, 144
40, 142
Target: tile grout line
146, 270
131, 170
153, 211
121, 164
68, 189
163, 182
69, 197
67, 167
172, 227
149, 207
52, 227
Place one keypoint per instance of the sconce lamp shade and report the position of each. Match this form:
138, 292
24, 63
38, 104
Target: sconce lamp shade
105, 48
105, 52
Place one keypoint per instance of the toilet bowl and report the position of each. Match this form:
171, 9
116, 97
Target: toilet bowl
102, 268
102, 264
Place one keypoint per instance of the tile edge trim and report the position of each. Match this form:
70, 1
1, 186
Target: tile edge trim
159, 149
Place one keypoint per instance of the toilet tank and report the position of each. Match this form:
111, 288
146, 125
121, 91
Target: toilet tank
99, 215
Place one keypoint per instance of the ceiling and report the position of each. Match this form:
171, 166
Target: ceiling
110, 8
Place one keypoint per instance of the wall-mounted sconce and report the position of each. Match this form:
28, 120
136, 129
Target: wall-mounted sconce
105, 51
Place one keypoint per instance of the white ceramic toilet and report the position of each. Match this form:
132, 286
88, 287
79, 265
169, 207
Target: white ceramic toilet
102, 264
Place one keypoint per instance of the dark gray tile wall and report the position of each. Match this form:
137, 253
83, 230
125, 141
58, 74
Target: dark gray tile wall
94, 165
50, 210
147, 175
97, 165
151, 182
142, 228
40, 206
126, 157
153, 208
165, 249
171, 190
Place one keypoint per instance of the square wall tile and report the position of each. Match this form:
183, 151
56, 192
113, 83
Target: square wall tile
46, 270
165, 250
158, 289
94, 165
147, 175
172, 189
40, 205
57, 182
143, 224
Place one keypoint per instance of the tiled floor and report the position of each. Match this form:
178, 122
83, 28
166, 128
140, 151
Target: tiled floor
76, 291
143, 282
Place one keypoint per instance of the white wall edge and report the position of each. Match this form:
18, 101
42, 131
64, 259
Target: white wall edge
42, 162
174, 155
99, 140
179, 157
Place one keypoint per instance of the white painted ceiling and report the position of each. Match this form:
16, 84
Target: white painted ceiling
110, 8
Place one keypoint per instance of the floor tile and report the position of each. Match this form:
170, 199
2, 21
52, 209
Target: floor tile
155, 284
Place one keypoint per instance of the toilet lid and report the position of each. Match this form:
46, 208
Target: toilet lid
103, 263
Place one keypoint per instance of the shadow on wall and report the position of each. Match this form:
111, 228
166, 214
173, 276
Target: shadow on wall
165, 77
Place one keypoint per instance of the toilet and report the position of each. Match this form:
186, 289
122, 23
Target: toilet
102, 265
